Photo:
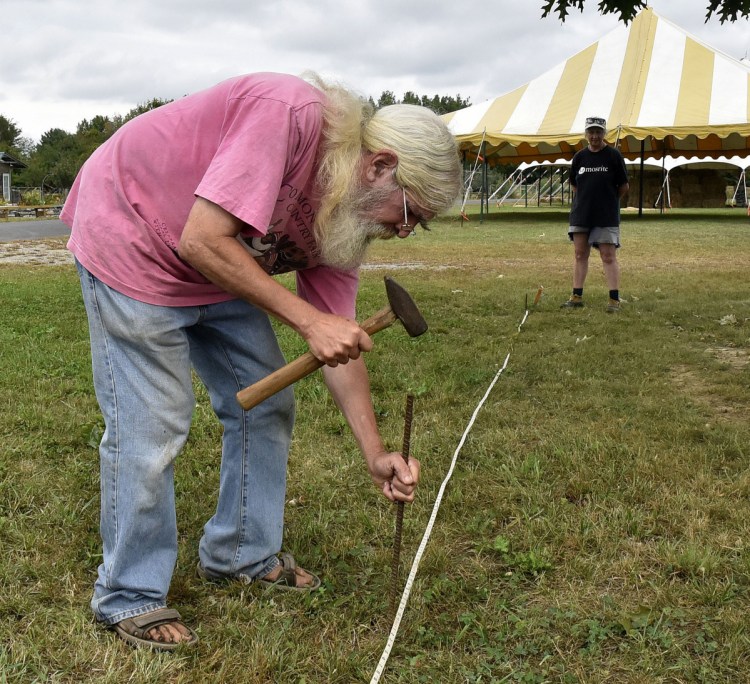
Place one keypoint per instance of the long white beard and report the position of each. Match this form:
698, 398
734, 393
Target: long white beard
345, 241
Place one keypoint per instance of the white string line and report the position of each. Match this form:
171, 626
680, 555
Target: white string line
525, 316
425, 538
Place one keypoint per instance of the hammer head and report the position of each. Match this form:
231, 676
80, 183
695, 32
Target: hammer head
404, 308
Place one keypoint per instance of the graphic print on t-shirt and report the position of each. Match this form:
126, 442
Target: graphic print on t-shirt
276, 252
289, 244
593, 169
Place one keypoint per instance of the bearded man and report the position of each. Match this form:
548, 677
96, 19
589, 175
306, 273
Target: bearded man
178, 223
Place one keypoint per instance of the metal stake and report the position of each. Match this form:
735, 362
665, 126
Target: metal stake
400, 505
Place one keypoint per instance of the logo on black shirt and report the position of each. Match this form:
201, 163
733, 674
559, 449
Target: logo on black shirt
593, 169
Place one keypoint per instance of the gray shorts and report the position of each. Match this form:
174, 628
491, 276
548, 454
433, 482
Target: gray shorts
598, 236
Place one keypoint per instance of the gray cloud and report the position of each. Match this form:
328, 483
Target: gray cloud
84, 57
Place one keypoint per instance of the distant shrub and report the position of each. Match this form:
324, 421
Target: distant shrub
33, 197
30, 197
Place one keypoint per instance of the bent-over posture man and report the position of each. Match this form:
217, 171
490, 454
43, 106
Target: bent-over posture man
178, 222
599, 180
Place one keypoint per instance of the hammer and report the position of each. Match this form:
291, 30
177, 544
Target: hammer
400, 307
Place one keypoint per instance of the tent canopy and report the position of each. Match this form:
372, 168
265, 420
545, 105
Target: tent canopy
666, 163
651, 80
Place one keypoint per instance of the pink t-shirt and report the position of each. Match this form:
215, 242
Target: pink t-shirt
248, 144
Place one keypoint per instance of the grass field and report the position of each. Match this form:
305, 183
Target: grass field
596, 528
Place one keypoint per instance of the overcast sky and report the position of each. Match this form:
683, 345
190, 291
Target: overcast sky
67, 60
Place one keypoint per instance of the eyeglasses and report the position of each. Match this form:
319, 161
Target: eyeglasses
419, 222
406, 225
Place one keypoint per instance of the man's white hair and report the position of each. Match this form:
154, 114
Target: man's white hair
428, 162
429, 166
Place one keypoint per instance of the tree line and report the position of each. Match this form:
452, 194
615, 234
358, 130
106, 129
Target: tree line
55, 160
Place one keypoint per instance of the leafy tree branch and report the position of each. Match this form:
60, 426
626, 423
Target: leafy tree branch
725, 10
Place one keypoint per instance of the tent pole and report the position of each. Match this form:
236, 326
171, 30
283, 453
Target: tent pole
463, 166
483, 182
562, 186
539, 188
640, 185
486, 182
551, 184
663, 179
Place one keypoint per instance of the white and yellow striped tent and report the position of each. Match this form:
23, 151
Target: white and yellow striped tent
661, 90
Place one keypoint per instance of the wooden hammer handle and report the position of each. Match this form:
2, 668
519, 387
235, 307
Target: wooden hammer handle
378, 321
302, 366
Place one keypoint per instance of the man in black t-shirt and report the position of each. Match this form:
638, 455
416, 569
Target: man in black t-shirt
599, 179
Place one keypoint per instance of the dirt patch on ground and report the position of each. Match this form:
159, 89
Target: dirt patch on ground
42, 252
737, 359
405, 266
52, 252
706, 391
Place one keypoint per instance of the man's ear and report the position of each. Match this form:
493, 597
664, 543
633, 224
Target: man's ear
378, 164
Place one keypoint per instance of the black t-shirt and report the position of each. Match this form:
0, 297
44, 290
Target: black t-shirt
597, 177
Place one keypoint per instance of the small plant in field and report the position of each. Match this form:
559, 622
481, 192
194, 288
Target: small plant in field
526, 563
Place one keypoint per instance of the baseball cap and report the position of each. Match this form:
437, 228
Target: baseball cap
596, 122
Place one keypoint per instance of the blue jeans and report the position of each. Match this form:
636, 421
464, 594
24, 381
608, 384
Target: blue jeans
142, 357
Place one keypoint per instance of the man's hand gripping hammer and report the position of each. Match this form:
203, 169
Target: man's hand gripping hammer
401, 307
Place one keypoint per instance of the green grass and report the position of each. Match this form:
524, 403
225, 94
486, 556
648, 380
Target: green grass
595, 530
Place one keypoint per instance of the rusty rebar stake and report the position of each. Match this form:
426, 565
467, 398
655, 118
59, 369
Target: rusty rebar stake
400, 505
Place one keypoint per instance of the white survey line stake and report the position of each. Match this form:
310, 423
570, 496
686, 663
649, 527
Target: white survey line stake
425, 538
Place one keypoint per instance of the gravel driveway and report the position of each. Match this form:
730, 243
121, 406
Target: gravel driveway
42, 252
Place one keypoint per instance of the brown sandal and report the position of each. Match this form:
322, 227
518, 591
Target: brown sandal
287, 579
135, 630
